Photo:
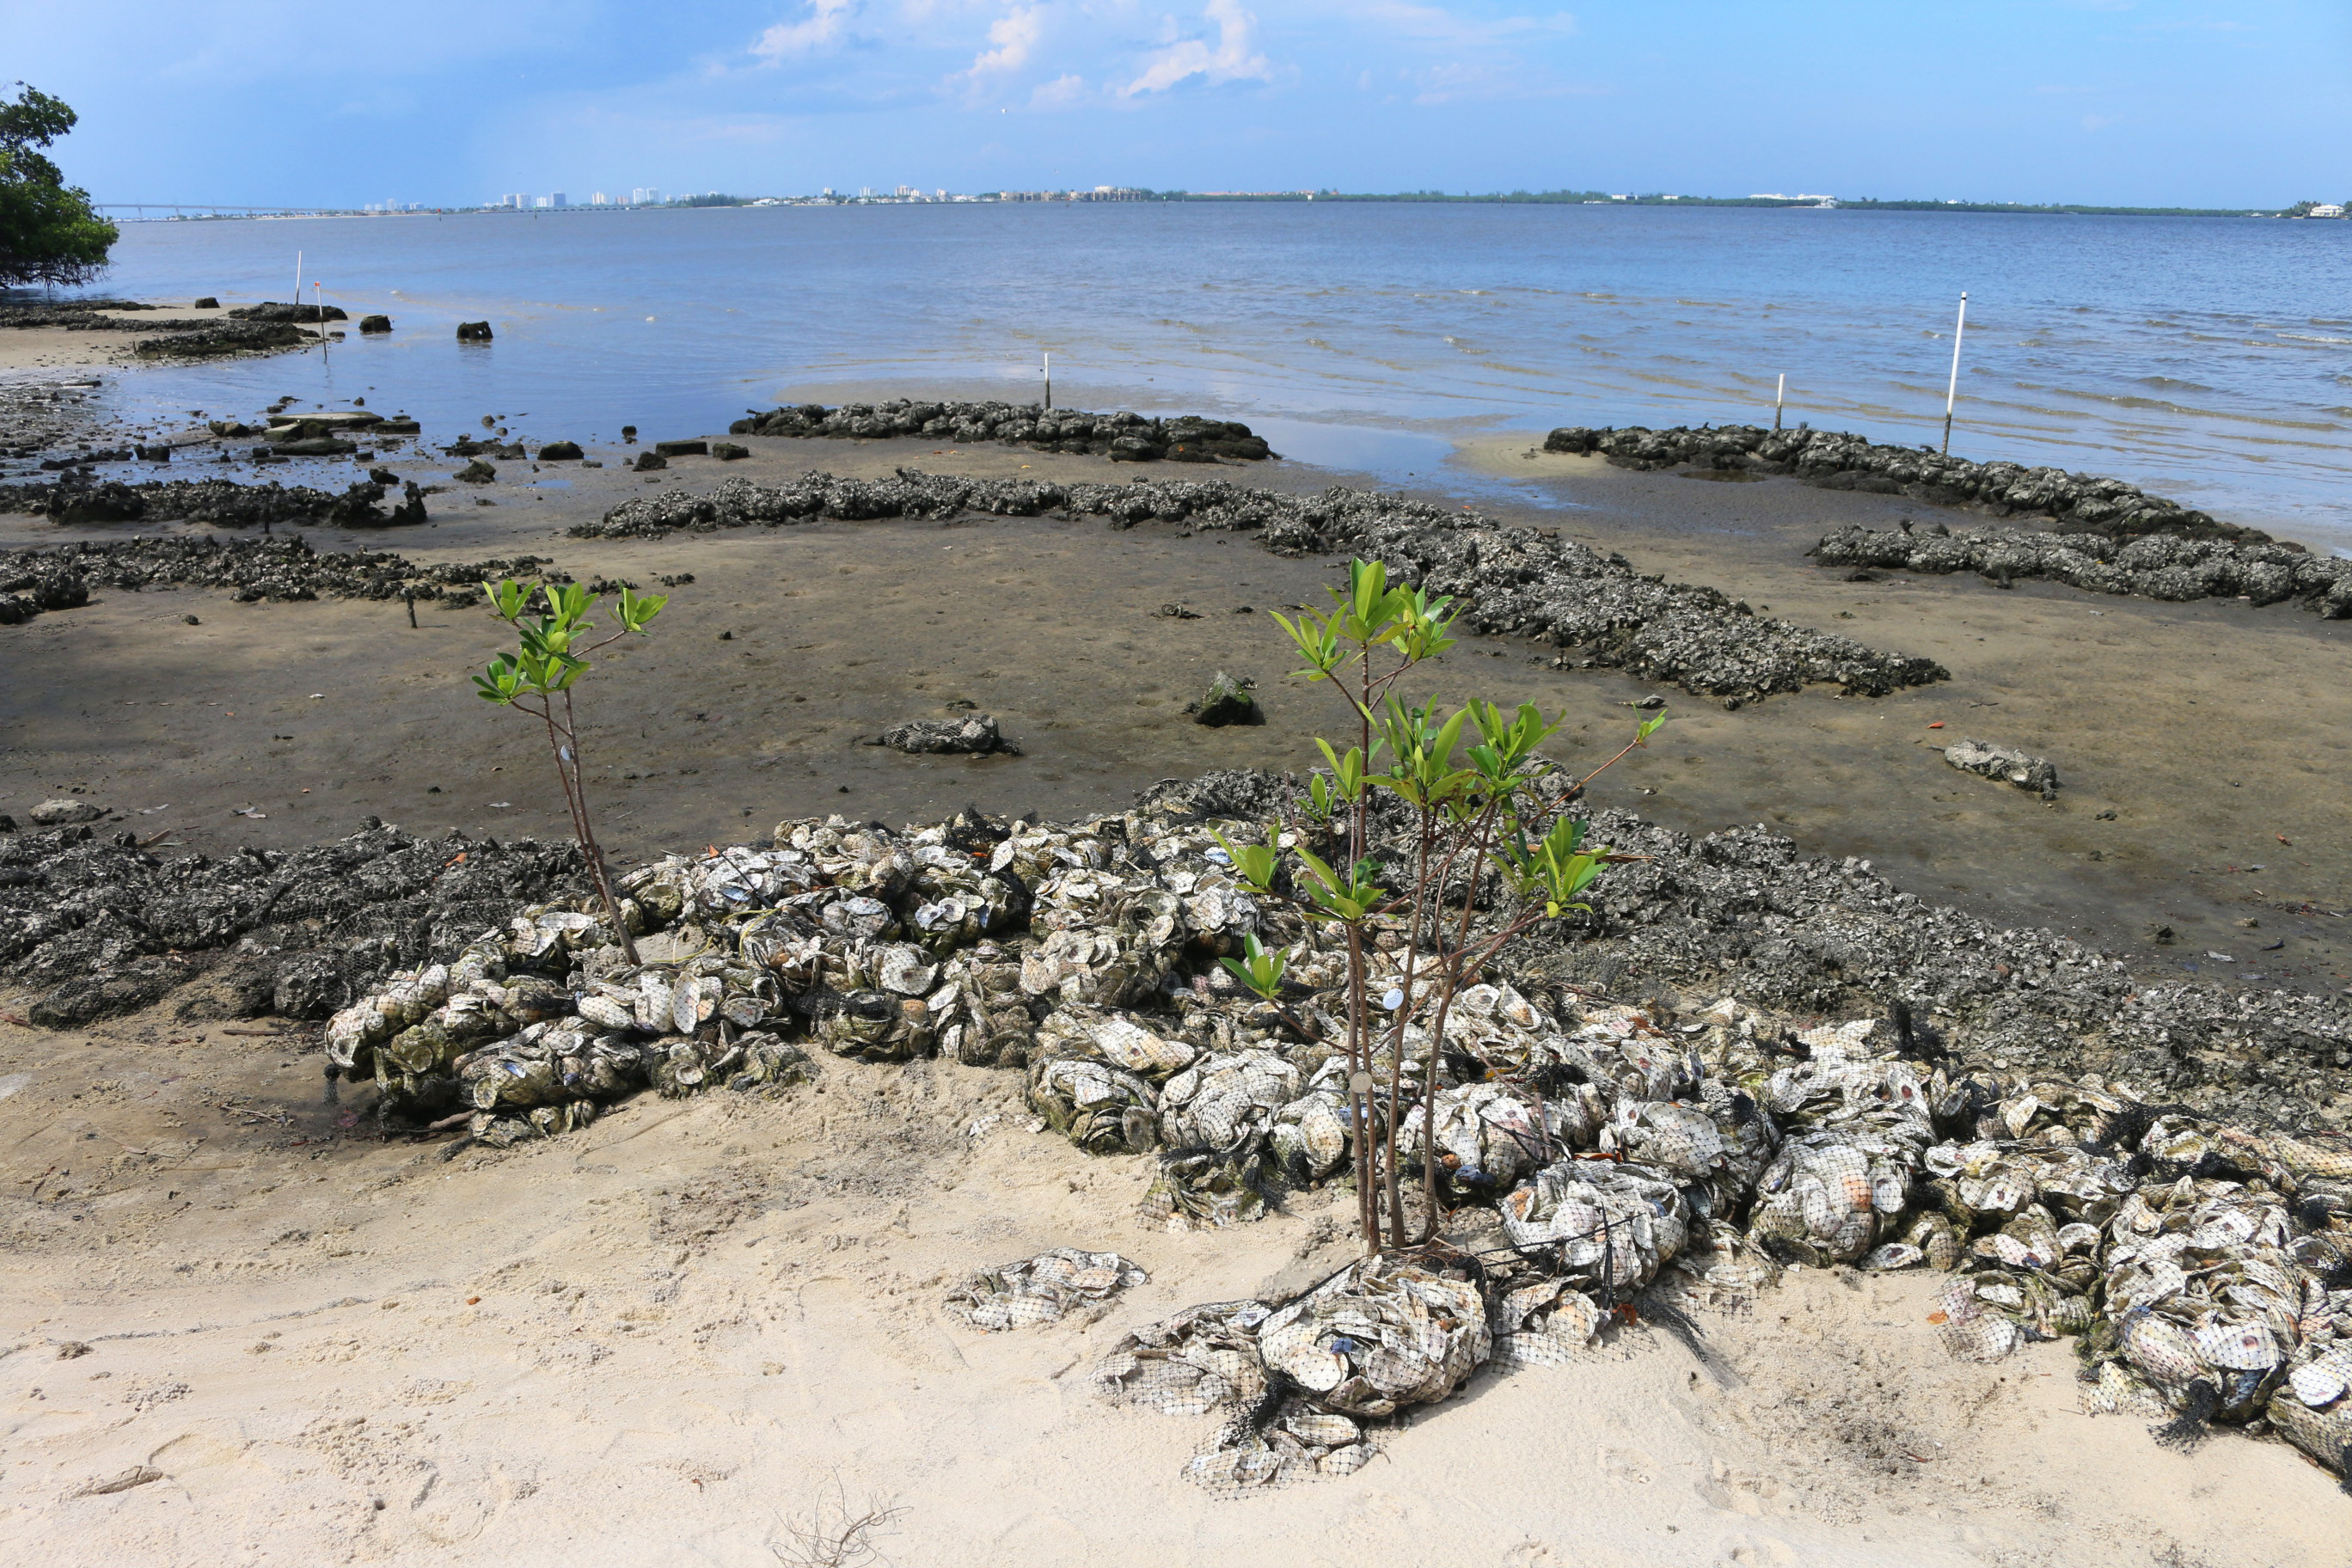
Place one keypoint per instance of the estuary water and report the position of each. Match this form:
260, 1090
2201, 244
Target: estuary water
2206, 358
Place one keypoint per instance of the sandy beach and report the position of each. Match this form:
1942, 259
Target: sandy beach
663, 1338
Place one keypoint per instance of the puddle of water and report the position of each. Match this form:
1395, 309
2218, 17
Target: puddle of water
1408, 459
1390, 454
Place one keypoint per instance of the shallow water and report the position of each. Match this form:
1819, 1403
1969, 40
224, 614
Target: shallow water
2206, 359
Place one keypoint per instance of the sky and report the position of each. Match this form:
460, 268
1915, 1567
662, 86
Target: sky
267, 102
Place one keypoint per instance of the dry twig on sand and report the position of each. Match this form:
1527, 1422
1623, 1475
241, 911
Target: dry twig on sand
834, 1534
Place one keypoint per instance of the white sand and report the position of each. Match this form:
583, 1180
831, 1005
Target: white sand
693, 1316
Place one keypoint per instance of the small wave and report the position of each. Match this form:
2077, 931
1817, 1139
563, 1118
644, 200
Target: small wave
2312, 338
2167, 382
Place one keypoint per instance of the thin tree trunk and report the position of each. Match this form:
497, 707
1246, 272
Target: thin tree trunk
1359, 1101
596, 851
1392, 1182
563, 741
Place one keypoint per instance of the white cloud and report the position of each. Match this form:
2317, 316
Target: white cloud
1233, 58
825, 23
1059, 93
1015, 34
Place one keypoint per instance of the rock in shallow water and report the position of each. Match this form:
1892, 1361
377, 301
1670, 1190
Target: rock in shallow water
1229, 701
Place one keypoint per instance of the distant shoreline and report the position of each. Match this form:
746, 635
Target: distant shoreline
1025, 198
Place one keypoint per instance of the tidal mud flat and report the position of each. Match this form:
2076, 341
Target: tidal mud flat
1058, 627
2231, 749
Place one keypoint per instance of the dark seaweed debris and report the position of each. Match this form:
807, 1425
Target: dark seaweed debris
98, 927
1122, 438
2153, 567
1520, 582
1837, 460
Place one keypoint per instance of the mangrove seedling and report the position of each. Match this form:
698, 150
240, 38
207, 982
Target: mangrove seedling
1483, 826
550, 657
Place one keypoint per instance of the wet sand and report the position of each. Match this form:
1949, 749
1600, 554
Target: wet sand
2218, 734
52, 348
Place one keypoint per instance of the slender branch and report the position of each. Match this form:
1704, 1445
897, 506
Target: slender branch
1630, 746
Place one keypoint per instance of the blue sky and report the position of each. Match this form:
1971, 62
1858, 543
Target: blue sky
270, 103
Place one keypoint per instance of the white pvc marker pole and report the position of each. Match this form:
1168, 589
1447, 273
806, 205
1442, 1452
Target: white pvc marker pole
1049, 383
298, 282
1953, 390
1779, 396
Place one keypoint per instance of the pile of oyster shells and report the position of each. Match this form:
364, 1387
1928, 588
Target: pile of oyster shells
1584, 1146
2153, 567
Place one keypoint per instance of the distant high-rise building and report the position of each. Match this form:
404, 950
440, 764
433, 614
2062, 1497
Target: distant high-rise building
557, 200
597, 200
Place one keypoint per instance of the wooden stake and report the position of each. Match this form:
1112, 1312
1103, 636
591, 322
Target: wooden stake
1778, 396
1049, 383
1952, 391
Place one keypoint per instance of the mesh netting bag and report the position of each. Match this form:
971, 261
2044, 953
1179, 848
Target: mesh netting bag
1601, 1222
1225, 1100
1488, 1135
1544, 1322
1102, 1108
1971, 1327
1261, 1448
1310, 1134
1201, 1359
1041, 1289
2311, 1409
1821, 1198
1397, 1329
1207, 1189
1679, 1140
